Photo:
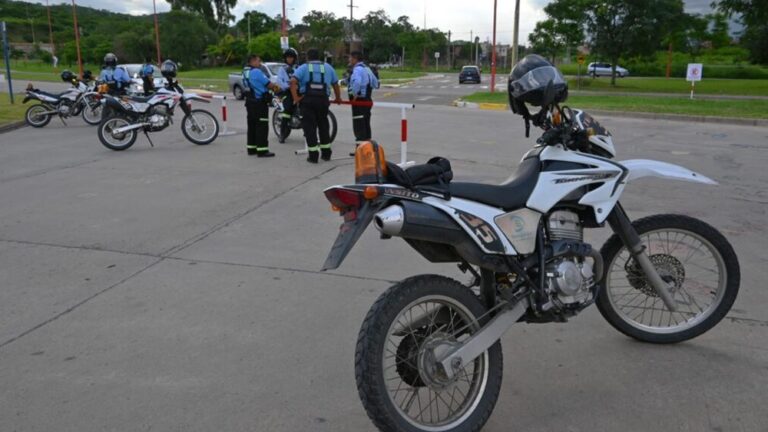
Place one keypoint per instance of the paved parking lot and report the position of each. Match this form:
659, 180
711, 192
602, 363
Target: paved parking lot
177, 287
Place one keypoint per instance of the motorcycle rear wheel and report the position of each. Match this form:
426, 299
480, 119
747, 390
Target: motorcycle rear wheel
397, 382
34, 118
693, 257
92, 112
276, 121
116, 142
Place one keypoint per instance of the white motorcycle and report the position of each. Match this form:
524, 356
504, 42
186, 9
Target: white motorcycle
428, 354
79, 99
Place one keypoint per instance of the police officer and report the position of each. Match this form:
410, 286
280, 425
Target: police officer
362, 81
117, 78
257, 97
147, 75
311, 86
284, 76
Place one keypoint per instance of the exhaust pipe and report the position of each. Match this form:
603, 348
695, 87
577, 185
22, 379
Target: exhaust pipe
390, 220
128, 128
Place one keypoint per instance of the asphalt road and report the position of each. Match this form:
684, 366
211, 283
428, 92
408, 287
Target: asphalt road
177, 287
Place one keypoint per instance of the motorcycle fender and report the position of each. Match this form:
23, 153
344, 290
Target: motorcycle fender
27, 98
640, 168
349, 234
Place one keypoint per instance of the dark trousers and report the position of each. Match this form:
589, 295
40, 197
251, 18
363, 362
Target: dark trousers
314, 112
288, 109
258, 125
361, 120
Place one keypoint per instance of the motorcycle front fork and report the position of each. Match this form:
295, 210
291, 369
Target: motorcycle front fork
622, 226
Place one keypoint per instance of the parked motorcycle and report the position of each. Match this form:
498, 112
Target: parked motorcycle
127, 115
295, 120
79, 99
428, 355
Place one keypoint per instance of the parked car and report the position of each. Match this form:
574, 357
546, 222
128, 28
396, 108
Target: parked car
270, 69
604, 69
469, 73
137, 85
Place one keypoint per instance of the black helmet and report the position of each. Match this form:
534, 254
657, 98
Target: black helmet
110, 60
290, 52
87, 75
169, 69
67, 76
535, 81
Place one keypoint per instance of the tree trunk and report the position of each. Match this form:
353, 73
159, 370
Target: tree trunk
613, 72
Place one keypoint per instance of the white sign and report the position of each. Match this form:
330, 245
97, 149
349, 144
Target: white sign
694, 72
437, 54
284, 43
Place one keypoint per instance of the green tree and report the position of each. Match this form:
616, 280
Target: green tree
325, 29
754, 15
217, 13
379, 41
267, 46
544, 41
260, 23
719, 36
625, 28
229, 50
184, 37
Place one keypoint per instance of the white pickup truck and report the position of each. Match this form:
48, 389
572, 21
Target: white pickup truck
270, 69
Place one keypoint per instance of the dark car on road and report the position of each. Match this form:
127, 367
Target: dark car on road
469, 73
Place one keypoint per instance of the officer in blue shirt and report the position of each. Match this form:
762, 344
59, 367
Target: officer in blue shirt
117, 78
284, 76
147, 75
362, 81
257, 98
311, 86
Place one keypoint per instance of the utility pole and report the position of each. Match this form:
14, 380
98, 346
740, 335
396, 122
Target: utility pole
157, 32
493, 50
6, 57
425, 14
471, 46
249, 28
77, 38
50, 28
31, 26
285, 28
516, 32
450, 49
351, 23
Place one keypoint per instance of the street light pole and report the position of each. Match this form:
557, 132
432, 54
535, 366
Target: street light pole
284, 30
516, 32
77, 38
50, 28
157, 31
493, 51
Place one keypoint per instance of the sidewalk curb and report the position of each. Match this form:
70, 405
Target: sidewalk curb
630, 114
12, 126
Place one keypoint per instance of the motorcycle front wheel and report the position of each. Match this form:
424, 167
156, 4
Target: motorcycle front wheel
692, 257
116, 141
92, 112
35, 117
200, 127
333, 126
398, 380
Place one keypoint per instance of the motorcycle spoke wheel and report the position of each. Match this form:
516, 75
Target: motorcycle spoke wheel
422, 394
696, 262
92, 115
35, 116
200, 127
116, 141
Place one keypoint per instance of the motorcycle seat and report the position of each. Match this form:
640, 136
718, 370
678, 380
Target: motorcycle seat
510, 195
53, 95
140, 99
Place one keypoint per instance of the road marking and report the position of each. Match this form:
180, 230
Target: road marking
426, 98
443, 86
484, 87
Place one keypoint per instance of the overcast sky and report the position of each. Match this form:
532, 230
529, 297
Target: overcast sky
461, 17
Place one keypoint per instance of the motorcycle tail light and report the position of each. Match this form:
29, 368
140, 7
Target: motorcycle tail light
370, 163
344, 199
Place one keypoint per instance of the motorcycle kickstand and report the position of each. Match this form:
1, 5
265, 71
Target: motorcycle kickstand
146, 134
62, 121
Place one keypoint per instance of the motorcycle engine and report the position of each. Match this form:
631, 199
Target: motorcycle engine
570, 279
158, 117
64, 108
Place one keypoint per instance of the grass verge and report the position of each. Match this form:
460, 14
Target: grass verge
715, 86
755, 109
11, 113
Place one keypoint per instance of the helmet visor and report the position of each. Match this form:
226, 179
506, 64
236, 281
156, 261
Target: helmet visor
537, 79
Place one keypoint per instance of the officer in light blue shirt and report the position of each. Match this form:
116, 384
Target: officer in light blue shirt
284, 76
117, 78
362, 81
257, 98
311, 85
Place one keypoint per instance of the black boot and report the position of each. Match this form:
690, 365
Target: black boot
265, 154
313, 156
326, 154
355, 151
252, 152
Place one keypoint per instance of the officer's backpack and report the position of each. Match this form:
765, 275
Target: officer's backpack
316, 89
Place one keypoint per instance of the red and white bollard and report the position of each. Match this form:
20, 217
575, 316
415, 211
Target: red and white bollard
224, 129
